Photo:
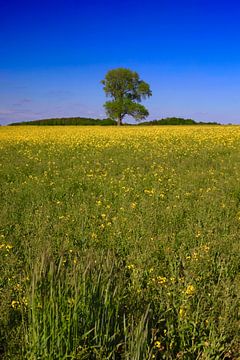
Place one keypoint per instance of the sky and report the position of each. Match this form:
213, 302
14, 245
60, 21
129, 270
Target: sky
54, 53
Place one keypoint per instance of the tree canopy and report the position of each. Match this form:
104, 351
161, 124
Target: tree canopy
126, 90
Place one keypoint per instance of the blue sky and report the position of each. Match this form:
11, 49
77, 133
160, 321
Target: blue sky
53, 55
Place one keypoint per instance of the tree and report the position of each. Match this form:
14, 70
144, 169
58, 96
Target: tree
127, 91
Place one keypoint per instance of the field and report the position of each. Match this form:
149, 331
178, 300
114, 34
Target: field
120, 243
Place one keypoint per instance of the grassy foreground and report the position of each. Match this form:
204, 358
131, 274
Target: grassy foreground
120, 243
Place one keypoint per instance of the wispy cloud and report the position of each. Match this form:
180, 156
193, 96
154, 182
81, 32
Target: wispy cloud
26, 100
22, 102
63, 94
12, 115
16, 111
6, 112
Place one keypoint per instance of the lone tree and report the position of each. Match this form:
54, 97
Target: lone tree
127, 91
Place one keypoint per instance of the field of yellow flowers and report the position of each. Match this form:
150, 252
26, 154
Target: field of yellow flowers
120, 243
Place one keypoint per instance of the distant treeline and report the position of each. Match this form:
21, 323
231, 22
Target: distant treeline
68, 121
177, 121
109, 122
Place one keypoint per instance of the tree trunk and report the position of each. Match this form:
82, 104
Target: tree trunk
119, 121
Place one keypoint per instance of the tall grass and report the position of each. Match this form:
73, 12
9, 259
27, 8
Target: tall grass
120, 243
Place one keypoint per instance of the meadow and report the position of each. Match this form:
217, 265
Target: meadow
120, 243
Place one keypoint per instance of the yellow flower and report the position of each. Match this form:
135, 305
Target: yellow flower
182, 312
130, 267
149, 192
161, 279
24, 301
206, 248
15, 304
190, 290
158, 345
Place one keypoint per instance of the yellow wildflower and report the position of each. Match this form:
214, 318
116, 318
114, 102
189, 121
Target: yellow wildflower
15, 304
190, 290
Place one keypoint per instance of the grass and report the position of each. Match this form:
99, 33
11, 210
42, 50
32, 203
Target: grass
120, 243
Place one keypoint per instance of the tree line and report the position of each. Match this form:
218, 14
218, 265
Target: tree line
68, 121
109, 122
